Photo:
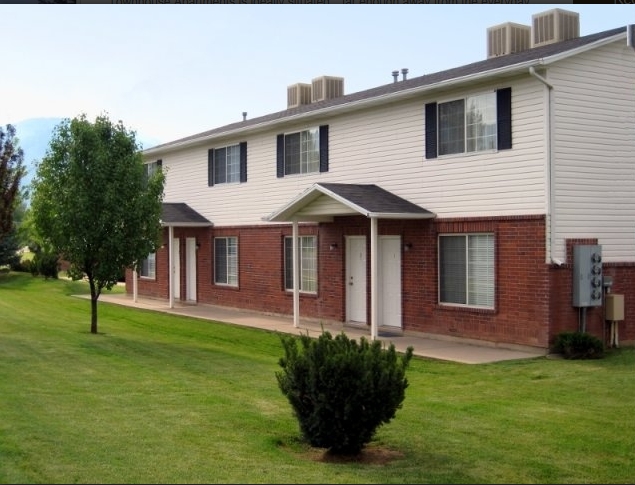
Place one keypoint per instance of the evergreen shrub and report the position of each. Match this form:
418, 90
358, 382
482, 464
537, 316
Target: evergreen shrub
341, 391
578, 345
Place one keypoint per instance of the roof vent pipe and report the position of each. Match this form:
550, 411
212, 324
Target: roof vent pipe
395, 74
244, 115
630, 36
404, 72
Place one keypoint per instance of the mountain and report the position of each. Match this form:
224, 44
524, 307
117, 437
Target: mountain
35, 135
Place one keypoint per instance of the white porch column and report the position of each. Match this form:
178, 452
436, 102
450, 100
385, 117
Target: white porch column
374, 283
134, 283
170, 267
296, 277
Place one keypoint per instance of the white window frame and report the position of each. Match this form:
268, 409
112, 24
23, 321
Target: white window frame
229, 158
229, 259
307, 152
151, 169
307, 249
467, 125
474, 285
148, 267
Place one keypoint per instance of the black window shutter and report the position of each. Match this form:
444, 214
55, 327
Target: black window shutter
431, 130
159, 164
280, 157
210, 167
324, 148
243, 161
504, 118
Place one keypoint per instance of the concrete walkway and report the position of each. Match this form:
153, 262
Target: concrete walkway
450, 349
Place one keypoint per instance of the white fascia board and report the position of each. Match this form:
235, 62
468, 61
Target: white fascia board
186, 224
401, 215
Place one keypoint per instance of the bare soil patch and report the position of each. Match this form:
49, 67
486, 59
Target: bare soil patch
370, 455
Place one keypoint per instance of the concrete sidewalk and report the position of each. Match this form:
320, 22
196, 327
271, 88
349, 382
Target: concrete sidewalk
467, 352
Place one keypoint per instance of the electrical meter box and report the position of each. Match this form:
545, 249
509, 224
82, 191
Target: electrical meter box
614, 307
587, 275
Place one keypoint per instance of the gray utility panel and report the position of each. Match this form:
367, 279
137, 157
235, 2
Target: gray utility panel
587, 275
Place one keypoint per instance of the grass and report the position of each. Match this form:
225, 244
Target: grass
158, 398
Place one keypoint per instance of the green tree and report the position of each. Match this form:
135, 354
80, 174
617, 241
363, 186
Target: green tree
9, 249
11, 172
93, 203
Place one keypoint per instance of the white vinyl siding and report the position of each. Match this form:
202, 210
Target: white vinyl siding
594, 145
383, 146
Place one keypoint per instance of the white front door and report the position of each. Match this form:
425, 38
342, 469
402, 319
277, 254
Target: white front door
176, 268
356, 279
190, 269
389, 298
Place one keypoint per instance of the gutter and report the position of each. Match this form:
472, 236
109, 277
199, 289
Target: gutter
550, 170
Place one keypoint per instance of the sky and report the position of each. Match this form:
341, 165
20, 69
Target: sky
170, 71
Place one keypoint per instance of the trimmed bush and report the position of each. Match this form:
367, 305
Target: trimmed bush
45, 264
342, 391
578, 345
23, 266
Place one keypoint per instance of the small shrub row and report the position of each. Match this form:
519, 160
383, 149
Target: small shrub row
43, 264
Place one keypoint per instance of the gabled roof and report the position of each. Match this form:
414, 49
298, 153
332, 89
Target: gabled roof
181, 215
496, 66
353, 199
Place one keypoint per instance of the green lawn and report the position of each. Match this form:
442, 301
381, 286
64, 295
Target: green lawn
157, 398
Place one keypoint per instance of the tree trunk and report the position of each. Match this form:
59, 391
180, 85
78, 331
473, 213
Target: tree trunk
93, 306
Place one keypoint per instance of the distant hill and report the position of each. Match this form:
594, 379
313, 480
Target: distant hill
35, 135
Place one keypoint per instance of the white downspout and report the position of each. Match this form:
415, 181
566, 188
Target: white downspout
550, 168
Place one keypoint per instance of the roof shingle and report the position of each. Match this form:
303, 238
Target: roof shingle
493, 64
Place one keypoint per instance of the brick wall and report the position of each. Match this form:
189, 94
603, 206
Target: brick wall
521, 312
566, 317
532, 300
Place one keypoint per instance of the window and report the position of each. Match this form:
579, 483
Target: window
472, 124
307, 249
226, 261
152, 167
303, 152
227, 164
466, 269
147, 266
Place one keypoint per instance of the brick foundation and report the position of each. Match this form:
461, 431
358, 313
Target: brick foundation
532, 302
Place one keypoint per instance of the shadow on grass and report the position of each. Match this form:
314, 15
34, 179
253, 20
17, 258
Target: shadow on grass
371, 454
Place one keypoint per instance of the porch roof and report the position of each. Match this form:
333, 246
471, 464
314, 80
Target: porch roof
179, 214
322, 201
